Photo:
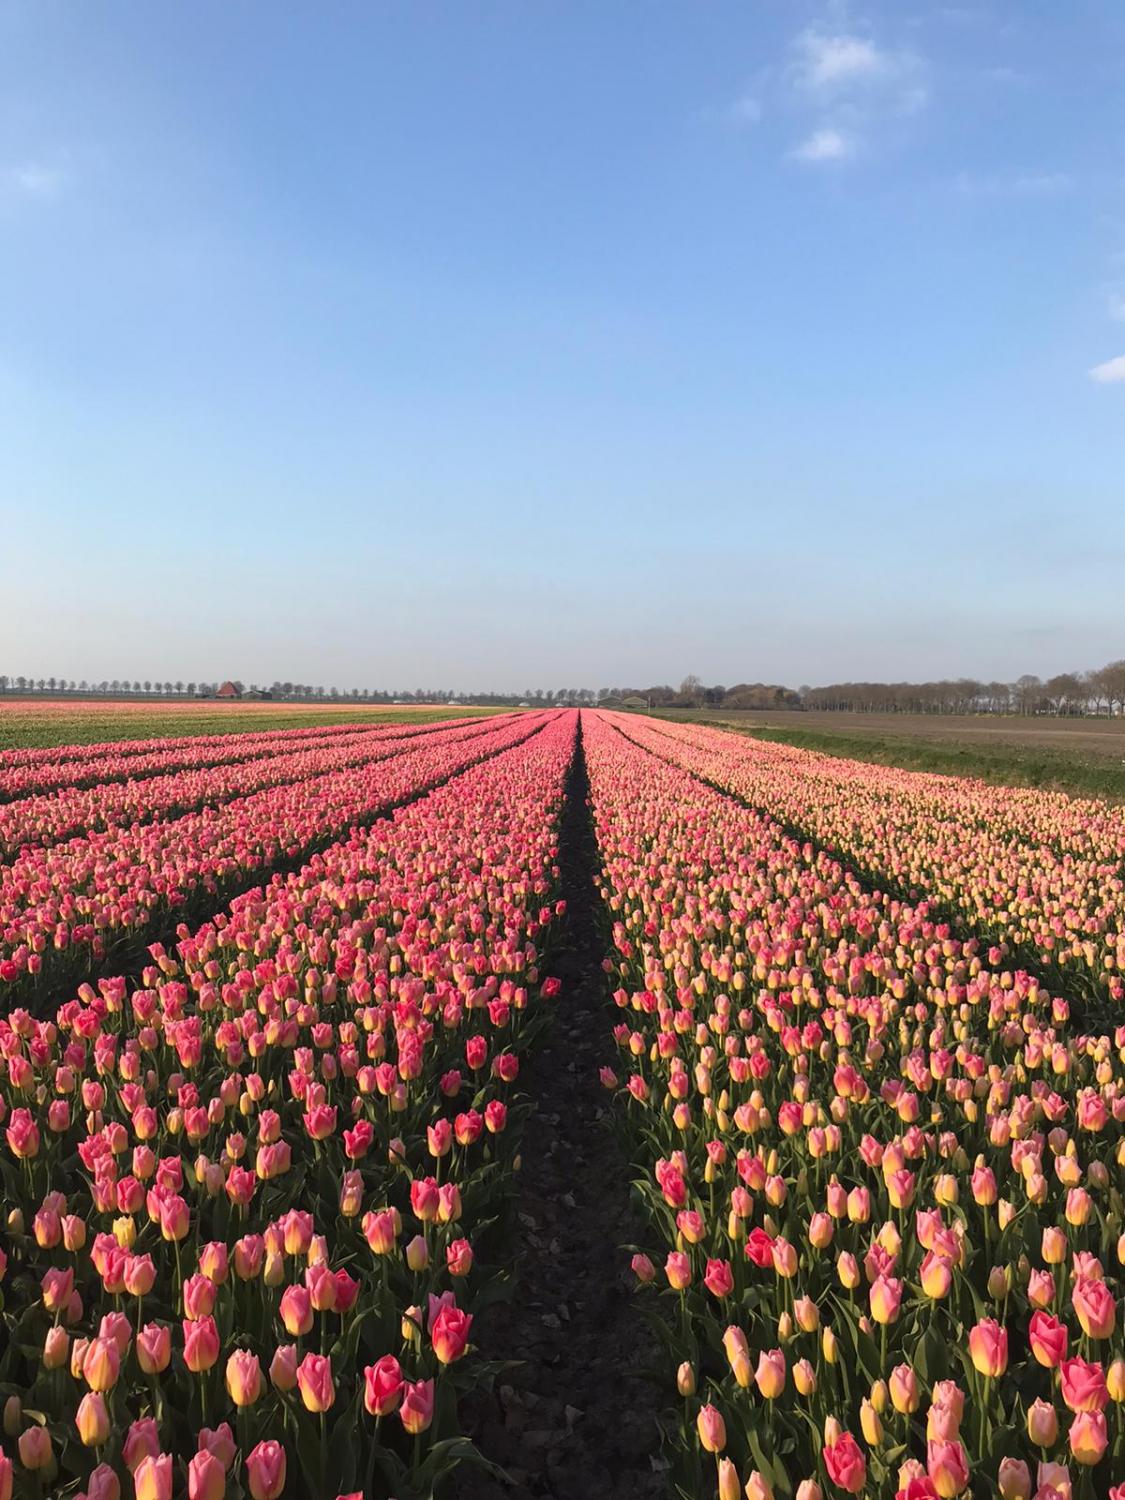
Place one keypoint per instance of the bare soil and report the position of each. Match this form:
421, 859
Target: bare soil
576, 1419
1087, 735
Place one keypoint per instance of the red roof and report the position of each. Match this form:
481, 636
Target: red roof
228, 690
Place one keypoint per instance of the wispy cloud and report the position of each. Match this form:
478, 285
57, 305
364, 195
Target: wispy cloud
834, 65
825, 145
855, 84
826, 62
843, 86
1111, 372
36, 179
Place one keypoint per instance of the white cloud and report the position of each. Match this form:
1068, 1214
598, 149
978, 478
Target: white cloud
827, 62
1111, 372
826, 144
863, 85
36, 179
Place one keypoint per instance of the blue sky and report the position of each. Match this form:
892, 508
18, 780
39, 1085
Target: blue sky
565, 344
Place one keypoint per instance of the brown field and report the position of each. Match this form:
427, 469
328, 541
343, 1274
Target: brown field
1088, 736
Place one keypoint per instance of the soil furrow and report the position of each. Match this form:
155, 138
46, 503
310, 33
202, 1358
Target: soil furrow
576, 1419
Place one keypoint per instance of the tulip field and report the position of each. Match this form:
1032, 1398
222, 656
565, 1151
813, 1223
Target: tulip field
881, 1157
267, 1001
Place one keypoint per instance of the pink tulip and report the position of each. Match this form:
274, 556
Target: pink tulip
417, 1409
845, 1463
314, 1381
207, 1478
152, 1478
265, 1470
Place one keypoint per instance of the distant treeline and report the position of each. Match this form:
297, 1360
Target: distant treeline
1098, 691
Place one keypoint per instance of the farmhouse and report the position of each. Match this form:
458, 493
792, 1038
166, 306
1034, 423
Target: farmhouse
229, 690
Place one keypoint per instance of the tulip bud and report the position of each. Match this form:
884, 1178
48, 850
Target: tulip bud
92, 1420
729, 1486
999, 1282
904, 1392
56, 1349
35, 1450
283, 1367
1014, 1480
1043, 1424
808, 1314
13, 1416
712, 1429
804, 1377
685, 1379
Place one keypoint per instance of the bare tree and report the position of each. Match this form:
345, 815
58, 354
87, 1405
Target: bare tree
1111, 679
1028, 690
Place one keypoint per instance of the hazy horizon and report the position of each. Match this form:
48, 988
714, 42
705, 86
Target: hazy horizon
488, 345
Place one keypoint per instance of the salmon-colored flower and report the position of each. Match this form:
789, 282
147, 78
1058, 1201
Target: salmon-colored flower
92, 1420
154, 1348
207, 1478
314, 1381
101, 1365
770, 1374
1048, 1339
988, 1348
947, 1467
1088, 1437
846, 1465
417, 1409
886, 1299
677, 1268
1014, 1480
201, 1344
383, 1384
265, 1470
449, 1334
141, 1441
1042, 1424
152, 1478
719, 1278
243, 1377
1094, 1304
1083, 1385
711, 1428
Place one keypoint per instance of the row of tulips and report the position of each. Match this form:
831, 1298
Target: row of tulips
1058, 906
252, 1199
63, 905
49, 817
883, 1178
1076, 825
26, 772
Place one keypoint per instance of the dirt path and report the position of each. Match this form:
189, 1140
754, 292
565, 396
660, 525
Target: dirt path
575, 1421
